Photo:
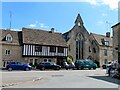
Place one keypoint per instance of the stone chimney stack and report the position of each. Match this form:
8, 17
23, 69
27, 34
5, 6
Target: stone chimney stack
52, 30
107, 34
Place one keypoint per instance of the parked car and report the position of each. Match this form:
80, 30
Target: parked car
69, 66
48, 65
113, 70
18, 66
82, 64
104, 66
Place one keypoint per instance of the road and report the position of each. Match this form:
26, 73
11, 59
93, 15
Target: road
58, 79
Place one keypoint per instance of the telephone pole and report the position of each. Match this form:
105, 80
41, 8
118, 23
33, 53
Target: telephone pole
10, 20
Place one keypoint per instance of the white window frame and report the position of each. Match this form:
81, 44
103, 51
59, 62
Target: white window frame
7, 52
8, 37
107, 43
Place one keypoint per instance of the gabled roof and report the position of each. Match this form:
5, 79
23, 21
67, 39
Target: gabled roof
42, 37
14, 34
116, 24
98, 38
79, 19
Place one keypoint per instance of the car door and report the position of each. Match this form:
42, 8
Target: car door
86, 64
52, 66
14, 65
47, 66
19, 66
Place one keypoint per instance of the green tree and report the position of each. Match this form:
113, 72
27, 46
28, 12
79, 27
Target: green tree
69, 59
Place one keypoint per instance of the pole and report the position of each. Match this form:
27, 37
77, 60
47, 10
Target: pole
10, 19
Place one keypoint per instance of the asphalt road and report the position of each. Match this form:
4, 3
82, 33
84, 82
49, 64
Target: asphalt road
57, 79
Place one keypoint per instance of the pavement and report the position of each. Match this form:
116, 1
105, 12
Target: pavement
58, 79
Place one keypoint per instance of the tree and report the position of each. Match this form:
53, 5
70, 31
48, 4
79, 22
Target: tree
69, 59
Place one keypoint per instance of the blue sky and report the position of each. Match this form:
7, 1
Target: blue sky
98, 17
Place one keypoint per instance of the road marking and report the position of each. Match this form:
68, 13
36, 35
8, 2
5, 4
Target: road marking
57, 75
37, 79
7, 85
12, 84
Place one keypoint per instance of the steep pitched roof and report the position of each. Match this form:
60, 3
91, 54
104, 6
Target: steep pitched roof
42, 37
115, 25
98, 38
79, 19
14, 34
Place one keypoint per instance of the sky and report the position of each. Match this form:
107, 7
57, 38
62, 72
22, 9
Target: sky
98, 15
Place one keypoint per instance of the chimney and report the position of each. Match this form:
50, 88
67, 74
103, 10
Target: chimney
52, 30
107, 34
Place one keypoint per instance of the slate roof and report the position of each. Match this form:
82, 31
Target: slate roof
15, 36
42, 37
98, 38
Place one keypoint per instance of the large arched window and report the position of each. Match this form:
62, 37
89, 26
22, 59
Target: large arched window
79, 46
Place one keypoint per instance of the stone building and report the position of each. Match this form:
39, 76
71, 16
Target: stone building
116, 41
101, 48
78, 40
11, 46
32, 46
35, 45
82, 45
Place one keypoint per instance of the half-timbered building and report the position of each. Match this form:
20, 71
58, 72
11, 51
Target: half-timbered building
41, 45
32, 46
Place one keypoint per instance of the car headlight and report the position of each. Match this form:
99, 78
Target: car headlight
29, 66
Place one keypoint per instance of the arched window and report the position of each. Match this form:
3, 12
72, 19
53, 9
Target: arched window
8, 37
79, 46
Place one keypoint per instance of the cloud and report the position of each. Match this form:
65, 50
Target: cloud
112, 4
92, 2
38, 25
43, 25
32, 25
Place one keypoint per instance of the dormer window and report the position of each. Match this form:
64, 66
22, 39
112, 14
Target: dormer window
8, 37
107, 43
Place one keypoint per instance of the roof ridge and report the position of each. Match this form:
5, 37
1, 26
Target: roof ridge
100, 35
9, 30
40, 30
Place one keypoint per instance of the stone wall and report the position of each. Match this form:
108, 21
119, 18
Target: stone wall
72, 42
16, 53
119, 42
109, 56
115, 42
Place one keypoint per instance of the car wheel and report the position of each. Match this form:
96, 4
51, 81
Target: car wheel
42, 68
89, 68
9, 69
82, 68
66, 68
94, 68
57, 68
104, 67
78, 68
27, 69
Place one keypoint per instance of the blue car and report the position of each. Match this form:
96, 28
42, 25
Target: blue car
18, 66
